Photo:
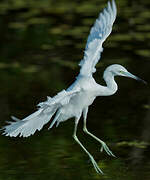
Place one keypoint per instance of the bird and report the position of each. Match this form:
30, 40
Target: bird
74, 101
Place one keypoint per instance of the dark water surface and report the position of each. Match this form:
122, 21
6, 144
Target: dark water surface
41, 44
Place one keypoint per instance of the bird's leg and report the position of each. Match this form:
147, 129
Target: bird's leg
104, 146
98, 170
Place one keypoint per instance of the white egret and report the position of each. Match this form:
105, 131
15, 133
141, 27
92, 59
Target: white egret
75, 101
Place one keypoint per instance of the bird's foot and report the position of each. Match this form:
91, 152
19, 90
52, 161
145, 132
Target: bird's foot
106, 148
96, 167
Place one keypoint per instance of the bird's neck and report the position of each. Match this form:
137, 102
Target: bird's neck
112, 86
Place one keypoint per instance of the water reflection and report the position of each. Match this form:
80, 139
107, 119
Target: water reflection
41, 45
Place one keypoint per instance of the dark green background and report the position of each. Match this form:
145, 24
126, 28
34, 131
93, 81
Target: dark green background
41, 44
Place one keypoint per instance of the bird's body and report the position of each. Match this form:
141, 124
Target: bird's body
89, 90
75, 100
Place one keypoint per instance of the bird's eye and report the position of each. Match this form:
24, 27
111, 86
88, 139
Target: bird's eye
121, 72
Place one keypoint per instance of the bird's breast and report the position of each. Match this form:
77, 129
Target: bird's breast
82, 100
76, 105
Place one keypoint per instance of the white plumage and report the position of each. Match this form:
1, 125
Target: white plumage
75, 101
36, 121
99, 32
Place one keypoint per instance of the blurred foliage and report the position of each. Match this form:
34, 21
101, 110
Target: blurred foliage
42, 41
133, 144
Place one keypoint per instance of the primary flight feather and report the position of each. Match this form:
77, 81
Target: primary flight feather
75, 101
98, 34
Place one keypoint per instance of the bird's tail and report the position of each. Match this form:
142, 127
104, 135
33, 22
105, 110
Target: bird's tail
28, 125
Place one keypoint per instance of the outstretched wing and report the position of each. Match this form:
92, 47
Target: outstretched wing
36, 120
99, 32
59, 100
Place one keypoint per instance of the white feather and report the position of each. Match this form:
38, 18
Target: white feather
98, 34
38, 119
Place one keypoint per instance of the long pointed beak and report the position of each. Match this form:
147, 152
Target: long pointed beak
128, 74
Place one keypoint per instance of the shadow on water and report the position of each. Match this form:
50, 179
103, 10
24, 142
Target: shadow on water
41, 45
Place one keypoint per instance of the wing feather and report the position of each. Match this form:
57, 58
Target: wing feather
36, 120
98, 34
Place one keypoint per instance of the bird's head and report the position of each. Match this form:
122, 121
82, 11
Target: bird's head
118, 70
